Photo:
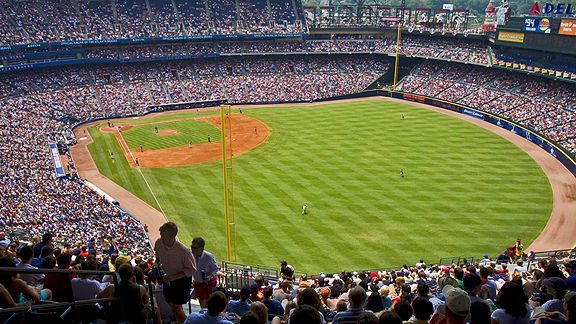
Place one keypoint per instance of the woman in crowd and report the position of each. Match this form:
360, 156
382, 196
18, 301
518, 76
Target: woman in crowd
512, 305
14, 291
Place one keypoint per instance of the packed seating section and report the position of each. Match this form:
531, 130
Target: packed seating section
24, 22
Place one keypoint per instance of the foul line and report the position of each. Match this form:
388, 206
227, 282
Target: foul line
125, 148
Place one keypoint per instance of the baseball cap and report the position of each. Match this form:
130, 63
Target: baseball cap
457, 300
554, 282
447, 281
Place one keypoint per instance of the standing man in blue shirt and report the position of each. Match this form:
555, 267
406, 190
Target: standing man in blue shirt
207, 269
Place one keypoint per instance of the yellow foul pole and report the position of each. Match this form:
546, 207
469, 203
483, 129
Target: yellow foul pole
232, 225
225, 178
396, 62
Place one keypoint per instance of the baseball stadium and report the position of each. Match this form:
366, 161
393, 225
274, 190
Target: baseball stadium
287, 161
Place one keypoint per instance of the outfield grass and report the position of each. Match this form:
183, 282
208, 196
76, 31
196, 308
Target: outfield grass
187, 131
465, 192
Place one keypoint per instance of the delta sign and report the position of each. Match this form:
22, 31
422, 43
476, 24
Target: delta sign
560, 9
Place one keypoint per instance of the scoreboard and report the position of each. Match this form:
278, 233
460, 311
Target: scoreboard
539, 33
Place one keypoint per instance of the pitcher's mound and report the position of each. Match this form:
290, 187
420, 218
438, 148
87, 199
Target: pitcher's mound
167, 132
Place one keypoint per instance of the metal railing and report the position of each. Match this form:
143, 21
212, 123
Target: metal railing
68, 311
238, 275
556, 254
457, 260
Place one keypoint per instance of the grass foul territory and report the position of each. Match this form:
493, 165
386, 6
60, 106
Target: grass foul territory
462, 190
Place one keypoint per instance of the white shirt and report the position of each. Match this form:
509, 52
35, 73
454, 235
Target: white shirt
207, 263
32, 279
86, 288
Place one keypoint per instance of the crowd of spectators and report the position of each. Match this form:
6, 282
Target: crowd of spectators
38, 107
528, 60
91, 255
509, 288
116, 90
448, 49
545, 105
34, 202
23, 22
499, 290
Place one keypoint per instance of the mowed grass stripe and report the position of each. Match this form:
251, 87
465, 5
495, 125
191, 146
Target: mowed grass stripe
466, 191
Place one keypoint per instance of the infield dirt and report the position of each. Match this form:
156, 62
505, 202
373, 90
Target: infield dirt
244, 138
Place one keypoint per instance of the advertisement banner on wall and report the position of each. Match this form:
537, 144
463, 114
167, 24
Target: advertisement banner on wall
510, 36
56, 161
473, 113
567, 27
538, 25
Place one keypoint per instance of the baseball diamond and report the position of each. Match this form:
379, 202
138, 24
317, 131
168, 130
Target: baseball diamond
343, 159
